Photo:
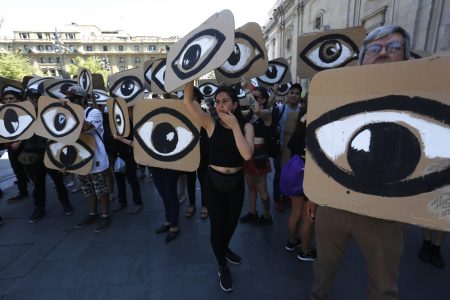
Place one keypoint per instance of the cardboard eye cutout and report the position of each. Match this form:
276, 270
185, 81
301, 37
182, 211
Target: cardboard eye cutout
76, 158
278, 72
85, 80
248, 58
17, 121
242, 96
208, 87
283, 89
10, 85
378, 141
59, 122
128, 85
158, 76
328, 50
165, 135
200, 51
35, 82
101, 96
148, 64
57, 88
119, 120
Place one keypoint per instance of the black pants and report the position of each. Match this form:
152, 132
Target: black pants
130, 175
224, 208
37, 173
19, 171
166, 182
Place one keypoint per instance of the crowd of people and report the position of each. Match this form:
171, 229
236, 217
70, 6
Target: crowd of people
234, 158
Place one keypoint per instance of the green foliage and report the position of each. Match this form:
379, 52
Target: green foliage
15, 66
93, 64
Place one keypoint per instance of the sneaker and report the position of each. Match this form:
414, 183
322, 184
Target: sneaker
171, 235
38, 214
279, 205
225, 280
70, 184
263, 221
17, 198
249, 218
291, 246
75, 189
162, 229
102, 223
68, 210
135, 209
232, 257
309, 256
425, 252
87, 220
119, 207
436, 257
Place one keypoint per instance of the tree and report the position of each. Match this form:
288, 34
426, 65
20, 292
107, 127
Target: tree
15, 66
94, 64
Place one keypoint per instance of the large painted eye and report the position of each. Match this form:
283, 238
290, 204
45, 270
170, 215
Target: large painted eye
208, 89
197, 53
275, 73
59, 120
127, 87
59, 88
169, 140
101, 97
283, 89
14, 121
70, 157
37, 83
329, 51
384, 146
239, 91
148, 76
119, 118
158, 75
246, 52
84, 80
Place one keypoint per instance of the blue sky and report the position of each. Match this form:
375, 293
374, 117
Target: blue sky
155, 17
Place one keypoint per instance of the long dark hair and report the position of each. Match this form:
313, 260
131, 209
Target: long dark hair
232, 94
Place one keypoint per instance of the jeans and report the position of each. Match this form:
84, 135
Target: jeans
166, 182
130, 175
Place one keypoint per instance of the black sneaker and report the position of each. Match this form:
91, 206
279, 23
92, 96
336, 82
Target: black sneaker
17, 198
162, 229
225, 280
171, 235
249, 218
87, 220
436, 257
103, 223
263, 221
38, 214
68, 210
291, 246
425, 253
232, 257
309, 256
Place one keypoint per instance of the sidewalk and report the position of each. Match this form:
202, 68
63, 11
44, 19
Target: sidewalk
52, 260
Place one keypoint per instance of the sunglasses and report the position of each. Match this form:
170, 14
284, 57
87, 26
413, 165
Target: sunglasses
393, 47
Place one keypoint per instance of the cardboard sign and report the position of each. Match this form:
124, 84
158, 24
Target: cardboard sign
248, 58
158, 75
278, 72
328, 50
202, 50
76, 158
10, 85
208, 87
242, 96
85, 80
128, 85
59, 122
17, 121
119, 121
164, 135
148, 64
57, 88
283, 89
378, 141
101, 96
34, 82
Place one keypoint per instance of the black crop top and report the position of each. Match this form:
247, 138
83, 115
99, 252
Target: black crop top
260, 128
223, 151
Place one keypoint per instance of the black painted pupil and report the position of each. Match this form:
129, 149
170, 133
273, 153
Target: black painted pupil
68, 155
271, 72
330, 51
283, 88
235, 56
393, 154
84, 81
11, 120
118, 119
191, 56
60, 121
207, 91
65, 87
127, 87
164, 138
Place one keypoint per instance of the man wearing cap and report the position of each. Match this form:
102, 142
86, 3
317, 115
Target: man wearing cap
94, 185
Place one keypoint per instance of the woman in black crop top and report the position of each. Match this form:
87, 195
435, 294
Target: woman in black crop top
230, 144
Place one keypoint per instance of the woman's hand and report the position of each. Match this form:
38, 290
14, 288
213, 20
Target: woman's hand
229, 119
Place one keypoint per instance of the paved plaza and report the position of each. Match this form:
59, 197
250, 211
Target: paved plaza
52, 260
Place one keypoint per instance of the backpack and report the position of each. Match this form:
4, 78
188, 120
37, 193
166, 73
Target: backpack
272, 140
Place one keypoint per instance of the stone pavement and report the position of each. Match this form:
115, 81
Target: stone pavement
52, 260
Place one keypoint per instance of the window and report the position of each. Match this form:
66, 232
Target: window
288, 44
70, 36
151, 48
58, 60
137, 60
121, 60
53, 72
39, 35
318, 22
136, 48
89, 48
48, 47
120, 48
167, 47
50, 60
26, 48
40, 48
24, 35
122, 69
42, 60
72, 49
105, 48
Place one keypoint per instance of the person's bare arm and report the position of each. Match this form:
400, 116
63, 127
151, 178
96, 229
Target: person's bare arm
205, 120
